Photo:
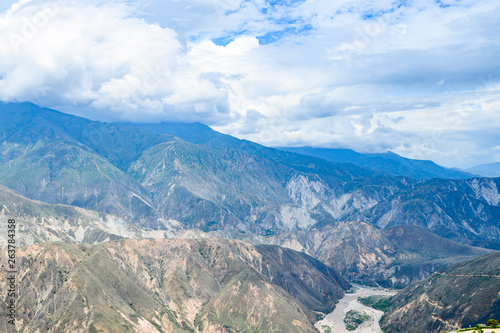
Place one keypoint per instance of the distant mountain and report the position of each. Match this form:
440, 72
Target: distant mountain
394, 257
203, 135
486, 170
170, 286
147, 177
159, 181
390, 163
466, 294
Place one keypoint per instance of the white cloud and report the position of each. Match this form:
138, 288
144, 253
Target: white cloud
99, 57
419, 78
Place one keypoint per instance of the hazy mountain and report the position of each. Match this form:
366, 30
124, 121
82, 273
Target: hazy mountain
463, 210
203, 135
394, 257
171, 286
146, 176
486, 170
390, 163
466, 294
218, 182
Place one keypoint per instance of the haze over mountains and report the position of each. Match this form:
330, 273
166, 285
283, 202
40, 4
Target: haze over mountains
218, 182
72, 180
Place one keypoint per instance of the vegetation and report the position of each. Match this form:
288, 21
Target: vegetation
378, 302
355, 318
326, 329
492, 323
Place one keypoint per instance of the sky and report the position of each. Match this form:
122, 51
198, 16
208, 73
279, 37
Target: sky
419, 78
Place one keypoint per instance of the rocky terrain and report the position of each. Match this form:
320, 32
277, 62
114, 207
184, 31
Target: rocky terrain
466, 294
394, 257
171, 286
89, 197
39, 222
214, 182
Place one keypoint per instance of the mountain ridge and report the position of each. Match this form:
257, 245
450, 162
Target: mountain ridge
459, 296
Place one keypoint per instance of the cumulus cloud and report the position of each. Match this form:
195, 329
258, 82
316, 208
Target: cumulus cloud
419, 78
99, 56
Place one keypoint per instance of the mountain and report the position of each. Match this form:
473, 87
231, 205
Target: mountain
170, 286
218, 183
486, 170
454, 205
39, 222
44, 157
362, 253
466, 294
150, 178
462, 210
390, 163
394, 257
203, 135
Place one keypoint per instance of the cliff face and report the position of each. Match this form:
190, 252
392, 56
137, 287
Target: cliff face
171, 286
466, 294
394, 257
219, 183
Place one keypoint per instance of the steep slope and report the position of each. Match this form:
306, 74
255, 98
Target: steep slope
208, 188
27, 123
463, 210
466, 294
204, 135
222, 183
394, 257
41, 160
167, 286
58, 158
39, 222
390, 163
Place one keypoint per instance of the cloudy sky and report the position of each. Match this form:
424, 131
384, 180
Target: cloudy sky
419, 78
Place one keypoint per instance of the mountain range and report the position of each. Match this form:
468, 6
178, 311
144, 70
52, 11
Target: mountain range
386, 162
217, 182
249, 231
486, 170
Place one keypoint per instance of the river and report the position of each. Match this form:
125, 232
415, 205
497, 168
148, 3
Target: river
335, 320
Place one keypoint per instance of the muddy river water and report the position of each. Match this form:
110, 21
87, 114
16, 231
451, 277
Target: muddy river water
335, 320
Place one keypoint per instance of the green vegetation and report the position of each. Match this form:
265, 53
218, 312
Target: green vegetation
326, 329
378, 302
492, 323
355, 318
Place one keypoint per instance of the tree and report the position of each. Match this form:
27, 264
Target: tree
492, 322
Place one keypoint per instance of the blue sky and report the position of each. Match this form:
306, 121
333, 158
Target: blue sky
419, 78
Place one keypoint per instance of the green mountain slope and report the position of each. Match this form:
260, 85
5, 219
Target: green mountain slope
221, 183
466, 294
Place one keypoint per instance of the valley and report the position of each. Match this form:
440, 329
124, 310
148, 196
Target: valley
178, 228
335, 319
